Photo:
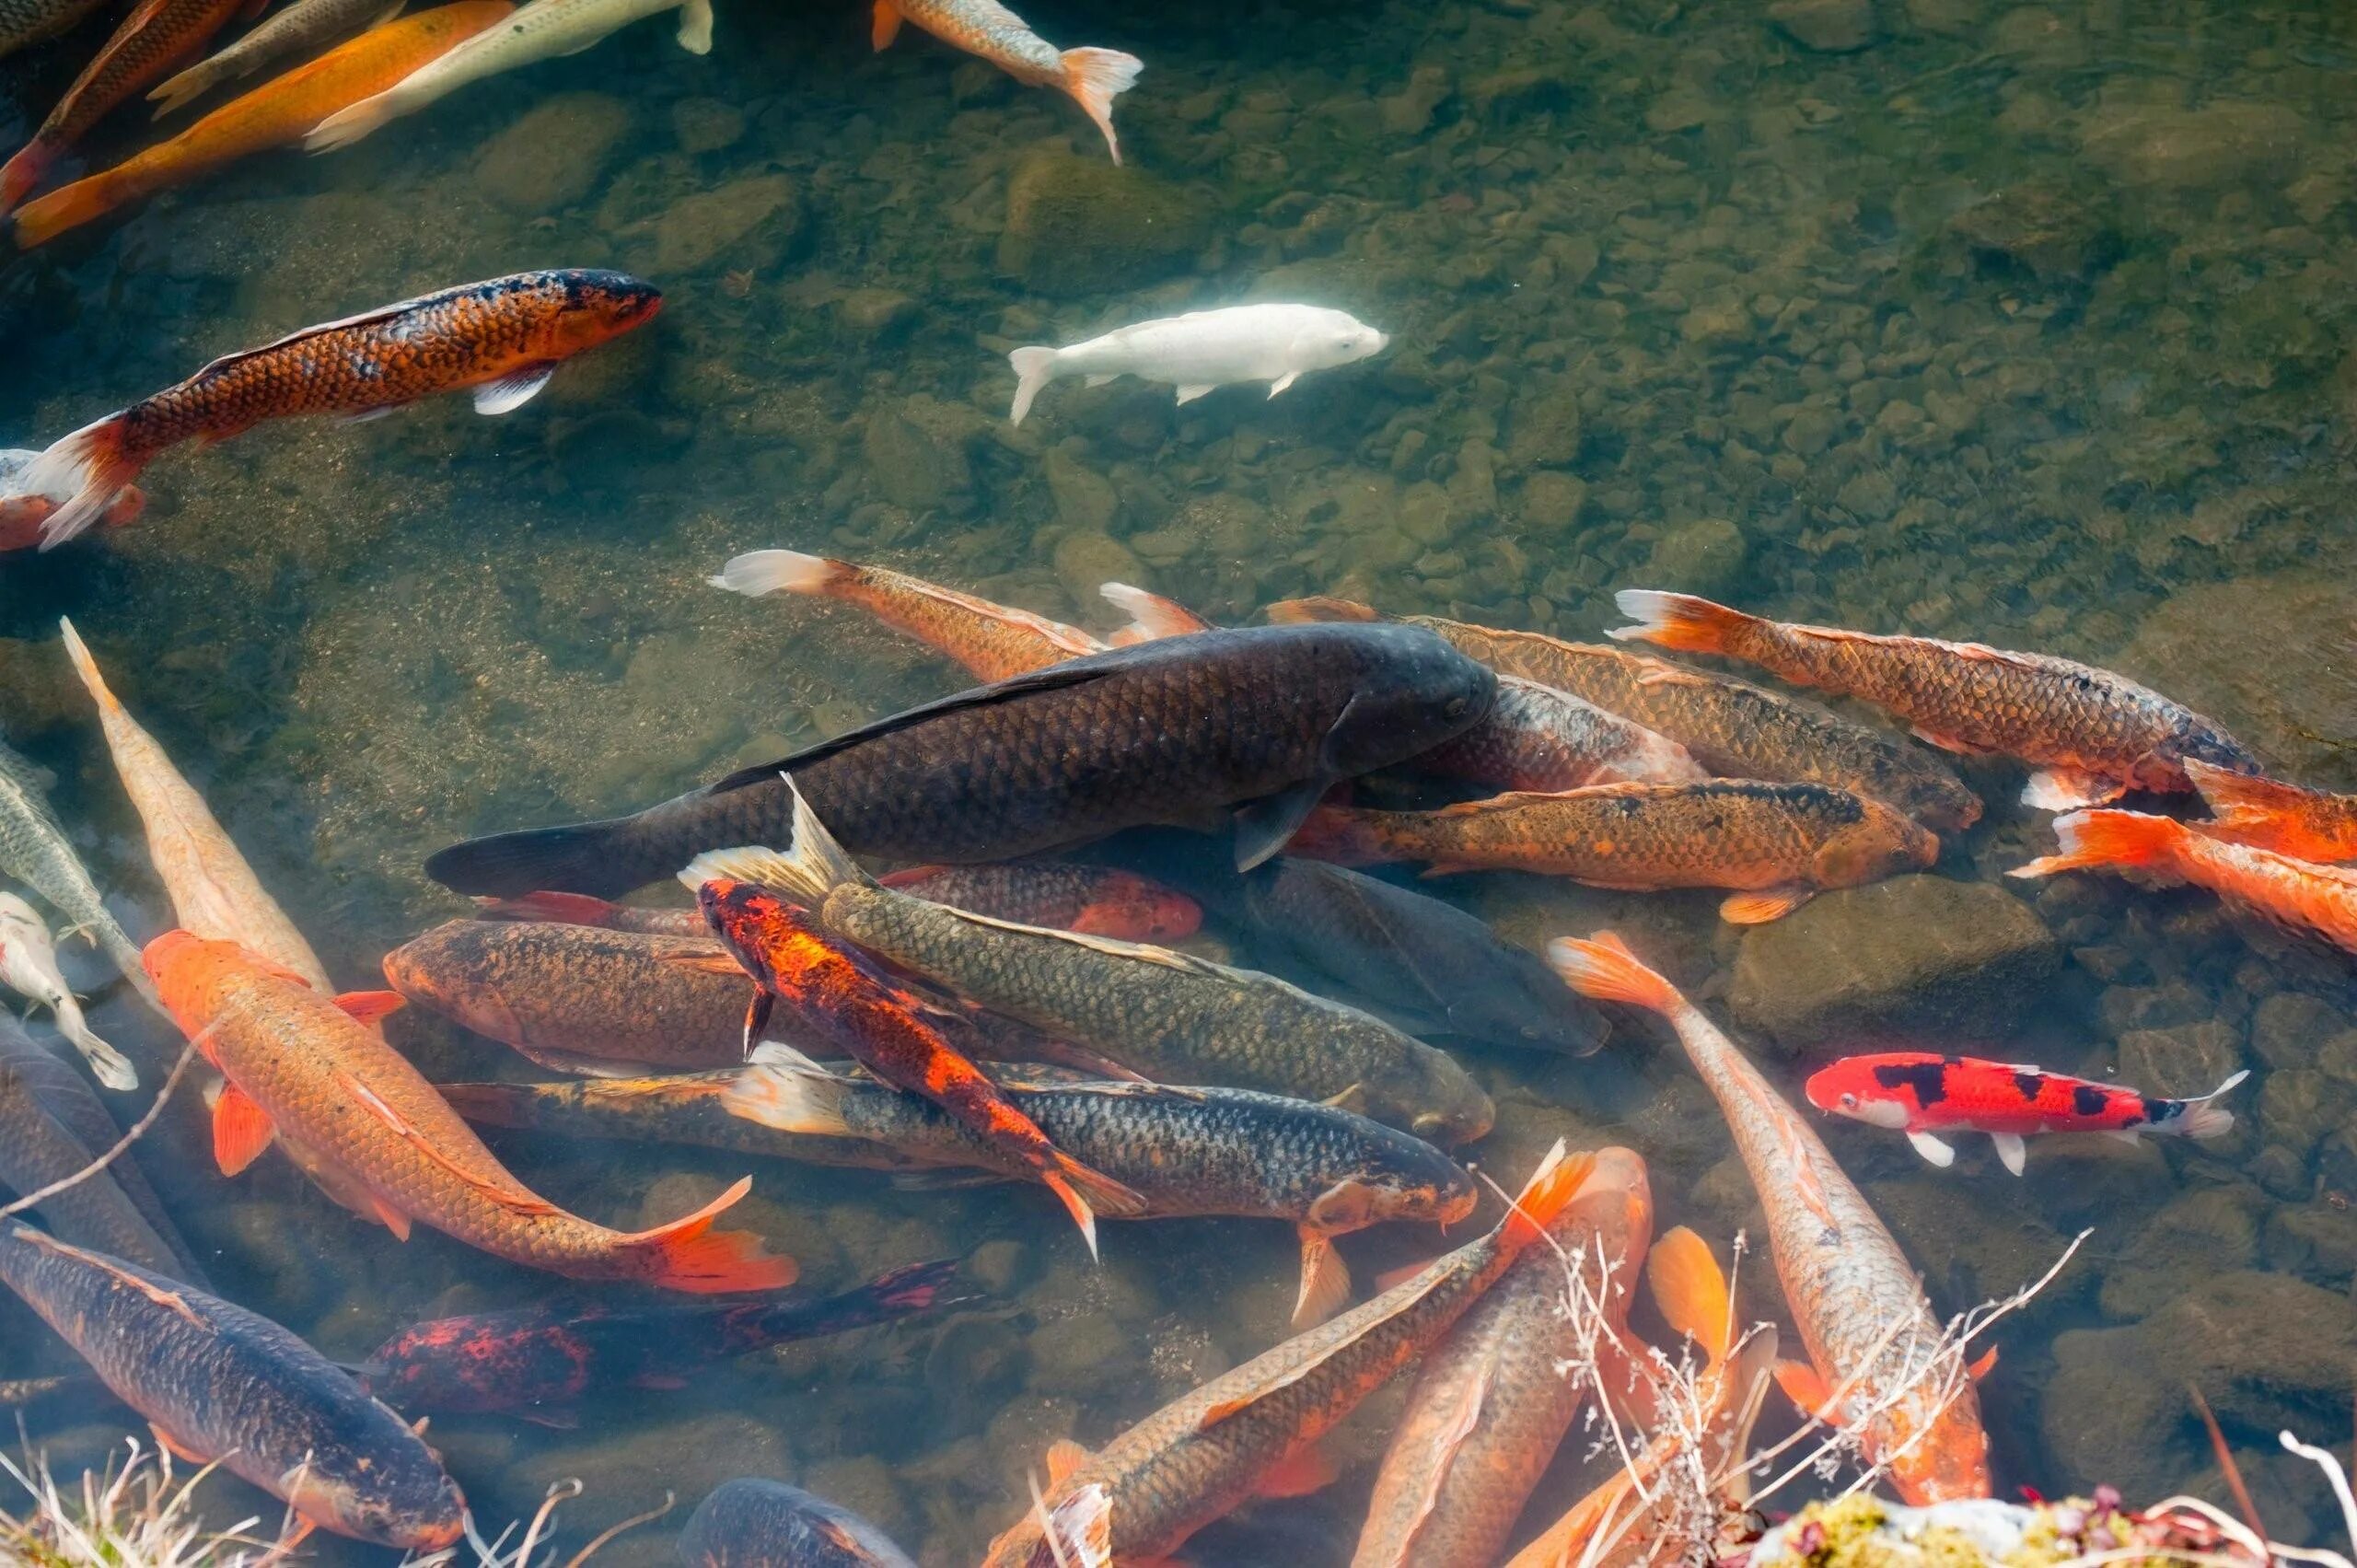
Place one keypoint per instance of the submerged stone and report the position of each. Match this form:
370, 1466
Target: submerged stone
555, 155
1080, 226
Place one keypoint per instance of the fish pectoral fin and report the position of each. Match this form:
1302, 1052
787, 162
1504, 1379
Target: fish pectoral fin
1282, 382
554, 1419
367, 1007
1352, 1100
2128, 1135
1188, 394
1805, 1389
884, 26
241, 1130
392, 1219
1064, 1458
695, 27
517, 1201
1262, 826
175, 1447
1305, 1470
1939, 1152
757, 1017
1982, 1364
2010, 1152
1104, 380
366, 416
516, 387
2068, 789
1759, 908
1213, 1415
1325, 1280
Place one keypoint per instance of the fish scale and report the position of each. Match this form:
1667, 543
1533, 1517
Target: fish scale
24, 22
33, 849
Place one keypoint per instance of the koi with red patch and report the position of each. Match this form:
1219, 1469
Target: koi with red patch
1923, 1095
554, 1356
2309, 824
23, 516
884, 1027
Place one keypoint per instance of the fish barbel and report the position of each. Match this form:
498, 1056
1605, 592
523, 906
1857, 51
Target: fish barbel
1250, 1430
1094, 77
2295, 894
503, 337
2308, 824
753, 1523
688, 1108
29, 964
1492, 1400
1779, 844
33, 849
2091, 734
292, 31
1184, 1151
1734, 728
220, 1384
273, 114
1166, 1014
1265, 719
294, 1058
993, 640
1876, 1349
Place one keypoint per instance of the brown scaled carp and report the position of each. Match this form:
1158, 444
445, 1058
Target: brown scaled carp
220, 1384
1262, 720
752, 1523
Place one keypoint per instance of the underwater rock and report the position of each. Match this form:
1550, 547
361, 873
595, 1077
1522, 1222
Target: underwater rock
2187, 1058
2298, 1109
747, 223
2266, 1352
2297, 706
1078, 226
1084, 501
1546, 431
2220, 1226
1924, 955
554, 153
1551, 501
1975, 1252
2053, 232
2197, 149
875, 315
1829, 27
1703, 557
2289, 1028
916, 454
706, 125
1086, 559
36, 691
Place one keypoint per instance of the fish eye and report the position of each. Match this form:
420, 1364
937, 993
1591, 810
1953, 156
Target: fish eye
1454, 708
1849, 1102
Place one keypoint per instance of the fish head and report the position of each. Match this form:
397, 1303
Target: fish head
1411, 1181
1413, 693
1452, 1109
772, 936
1848, 1088
1129, 908
1949, 1461
1328, 338
2198, 740
380, 1485
446, 971
598, 307
1880, 843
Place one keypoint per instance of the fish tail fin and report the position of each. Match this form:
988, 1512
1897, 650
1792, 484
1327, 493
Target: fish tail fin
176, 93
1318, 607
45, 217
348, 125
1678, 621
89, 467
760, 572
799, 1098
492, 1105
1151, 615
22, 173
689, 1255
2203, 1117
1034, 368
1691, 1291
1551, 1187
2105, 838
2244, 801
108, 1065
1603, 968
1095, 78
598, 858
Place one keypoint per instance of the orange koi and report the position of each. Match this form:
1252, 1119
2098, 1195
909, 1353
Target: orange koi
2264, 813
1094, 77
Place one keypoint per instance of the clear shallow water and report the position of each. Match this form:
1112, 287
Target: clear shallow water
2026, 324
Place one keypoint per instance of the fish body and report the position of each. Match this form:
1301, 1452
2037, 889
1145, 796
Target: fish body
690, 1107
541, 30
296, 30
503, 337
27, 22
28, 966
1541, 739
1925, 1094
1204, 350
2308, 824
887, 1029
274, 114
1492, 1400
1265, 718
1166, 1014
1093, 901
222, 1384
2297, 894
1094, 77
294, 1058
1734, 728
33, 849
51, 1128
751, 1523
1779, 844
550, 1357
2092, 735
993, 640
1859, 1304
1208, 1451
1183, 1151
156, 36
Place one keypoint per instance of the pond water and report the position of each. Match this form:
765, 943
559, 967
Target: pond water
2033, 325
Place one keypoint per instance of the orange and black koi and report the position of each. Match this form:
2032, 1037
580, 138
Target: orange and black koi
537, 1362
1920, 1094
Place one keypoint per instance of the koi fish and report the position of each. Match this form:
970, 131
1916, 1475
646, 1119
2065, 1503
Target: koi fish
1734, 728
1780, 844
2092, 736
1923, 1095
2308, 824
156, 36
503, 337
751, 1523
1090, 900
222, 1385
1878, 1359
29, 965
993, 640
272, 115
1492, 1403
884, 1027
296, 1059
33, 850
687, 1107
541, 30
293, 31
1644, 1517
22, 516
537, 1362
1252, 1431
1203, 351
1094, 77
27, 22
2293, 893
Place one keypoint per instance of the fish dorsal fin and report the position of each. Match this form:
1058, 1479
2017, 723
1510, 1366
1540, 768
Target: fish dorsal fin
1070, 639
526, 1203
121, 1274
1065, 1459
1339, 1335
380, 313
1691, 1291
